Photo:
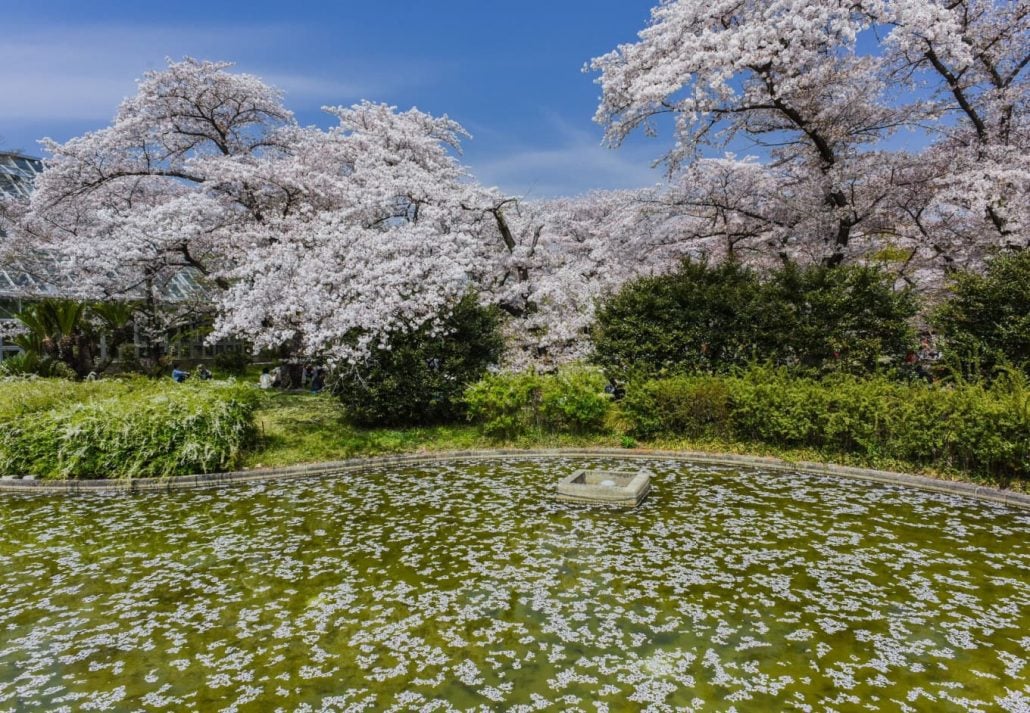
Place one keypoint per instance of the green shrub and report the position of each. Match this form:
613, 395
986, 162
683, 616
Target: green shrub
233, 362
687, 405
716, 319
505, 404
570, 401
32, 364
114, 429
573, 400
770, 406
979, 429
842, 319
420, 378
20, 396
695, 319
986, 322
71, 332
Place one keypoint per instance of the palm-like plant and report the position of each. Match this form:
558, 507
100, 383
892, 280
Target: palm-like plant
70, 331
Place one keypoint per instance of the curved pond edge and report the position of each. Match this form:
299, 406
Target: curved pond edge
211, 480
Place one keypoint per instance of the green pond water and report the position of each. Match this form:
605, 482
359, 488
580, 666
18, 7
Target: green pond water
464, 585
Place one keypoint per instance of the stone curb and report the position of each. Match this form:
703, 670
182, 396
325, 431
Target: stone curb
211, 480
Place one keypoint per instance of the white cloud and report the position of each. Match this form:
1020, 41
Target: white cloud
576, 164
566, 170
83, 73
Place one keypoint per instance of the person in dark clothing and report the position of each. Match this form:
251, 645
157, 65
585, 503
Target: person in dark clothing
318, 380
615, 389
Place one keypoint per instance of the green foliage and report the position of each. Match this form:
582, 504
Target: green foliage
688, 405
22, 396
573, 400
716, 319
970, 427
115, 429
833, 319
32, 364
986, 322
68, 331
421, 376
505, 404
695, 319
570, 401
233, 362
55, 329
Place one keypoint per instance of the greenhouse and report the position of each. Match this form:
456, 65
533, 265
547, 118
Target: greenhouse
21, 284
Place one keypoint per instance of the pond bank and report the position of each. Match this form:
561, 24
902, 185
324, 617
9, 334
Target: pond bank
209, 480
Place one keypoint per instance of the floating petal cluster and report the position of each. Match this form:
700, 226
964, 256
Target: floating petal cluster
465, 586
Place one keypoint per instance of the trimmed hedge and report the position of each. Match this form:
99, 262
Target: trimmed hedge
121, 429
971, 427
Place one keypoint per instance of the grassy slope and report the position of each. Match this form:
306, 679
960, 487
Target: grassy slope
301, 428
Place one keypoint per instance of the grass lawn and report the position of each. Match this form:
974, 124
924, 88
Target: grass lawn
295, 428
303, 428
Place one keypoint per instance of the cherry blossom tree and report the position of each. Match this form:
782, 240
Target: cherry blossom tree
324, 241
784, 77
781, 74
973, 55
165, 189
394, 250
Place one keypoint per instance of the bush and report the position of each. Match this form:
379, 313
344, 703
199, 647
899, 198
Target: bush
20, 396
570, 401
982, 430
986, 322
71, 332
770, 406
114, 429
696, 319
844, 319
716, 319
692, 406
233, 362
574, 400
505, 404
32, 364
421, 377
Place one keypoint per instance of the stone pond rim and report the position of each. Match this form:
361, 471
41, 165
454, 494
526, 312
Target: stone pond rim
352, 465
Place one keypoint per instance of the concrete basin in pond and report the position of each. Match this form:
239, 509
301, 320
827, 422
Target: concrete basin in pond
605, 487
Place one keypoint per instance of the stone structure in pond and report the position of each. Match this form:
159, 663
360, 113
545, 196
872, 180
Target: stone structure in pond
617, 489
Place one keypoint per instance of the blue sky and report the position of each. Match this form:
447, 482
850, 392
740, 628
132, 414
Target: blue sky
510, 72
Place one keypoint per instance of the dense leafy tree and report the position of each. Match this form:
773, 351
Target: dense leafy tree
704, 318
697, 318
986, 322
420, 376
848, 318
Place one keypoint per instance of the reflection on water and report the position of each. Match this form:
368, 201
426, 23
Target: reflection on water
464, 585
